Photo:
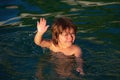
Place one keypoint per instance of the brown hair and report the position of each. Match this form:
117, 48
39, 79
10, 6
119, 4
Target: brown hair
60, 25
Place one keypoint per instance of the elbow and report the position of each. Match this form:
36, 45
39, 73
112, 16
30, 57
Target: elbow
36, 42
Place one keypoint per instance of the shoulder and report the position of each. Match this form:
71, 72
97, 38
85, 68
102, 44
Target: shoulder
77, 51
52, 47
76, 48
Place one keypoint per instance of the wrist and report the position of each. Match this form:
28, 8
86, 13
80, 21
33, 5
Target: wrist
40, 33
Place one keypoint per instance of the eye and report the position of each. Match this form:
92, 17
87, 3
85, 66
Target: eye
72, 33
65, 34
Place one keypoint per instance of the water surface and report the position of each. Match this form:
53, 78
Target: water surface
98, 24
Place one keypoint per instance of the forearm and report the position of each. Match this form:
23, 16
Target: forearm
79, 68
38, 38
79, 62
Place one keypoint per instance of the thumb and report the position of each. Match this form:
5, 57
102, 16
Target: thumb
47, 27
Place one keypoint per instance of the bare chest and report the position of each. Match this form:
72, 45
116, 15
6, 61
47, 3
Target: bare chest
67, 51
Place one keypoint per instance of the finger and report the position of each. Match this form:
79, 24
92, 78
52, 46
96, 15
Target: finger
40, 20
44, 21
37, 23
48, 25
78, 70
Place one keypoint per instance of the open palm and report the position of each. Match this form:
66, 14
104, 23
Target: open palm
41, 26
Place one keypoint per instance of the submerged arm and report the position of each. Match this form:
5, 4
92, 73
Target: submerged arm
79, 61
79, 68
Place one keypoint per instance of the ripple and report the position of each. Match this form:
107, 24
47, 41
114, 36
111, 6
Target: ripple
18, 43
12, 7
94, 40
16, 21
88, 3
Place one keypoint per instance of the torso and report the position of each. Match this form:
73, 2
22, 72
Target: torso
66, 51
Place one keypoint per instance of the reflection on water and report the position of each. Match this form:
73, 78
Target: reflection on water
88, 3
58, 66
98, 35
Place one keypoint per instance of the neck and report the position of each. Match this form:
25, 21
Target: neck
62, 46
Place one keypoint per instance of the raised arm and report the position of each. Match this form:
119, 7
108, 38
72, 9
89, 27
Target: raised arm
41, 29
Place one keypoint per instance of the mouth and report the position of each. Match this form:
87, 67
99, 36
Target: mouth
70, 41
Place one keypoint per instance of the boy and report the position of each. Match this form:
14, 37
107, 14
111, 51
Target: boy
63, 36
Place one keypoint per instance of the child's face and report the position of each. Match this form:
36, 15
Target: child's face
67, 37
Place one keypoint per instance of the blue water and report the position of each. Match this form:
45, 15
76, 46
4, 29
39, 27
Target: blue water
98, 35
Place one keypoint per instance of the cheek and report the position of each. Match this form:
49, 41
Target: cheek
61, 39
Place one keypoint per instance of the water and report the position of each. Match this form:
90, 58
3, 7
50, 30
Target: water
98, 35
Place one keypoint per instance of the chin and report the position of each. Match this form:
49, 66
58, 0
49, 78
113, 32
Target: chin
69, 44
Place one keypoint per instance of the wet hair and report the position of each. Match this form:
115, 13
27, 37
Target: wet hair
59, 25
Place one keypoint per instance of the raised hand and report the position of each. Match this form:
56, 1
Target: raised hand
41, 26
